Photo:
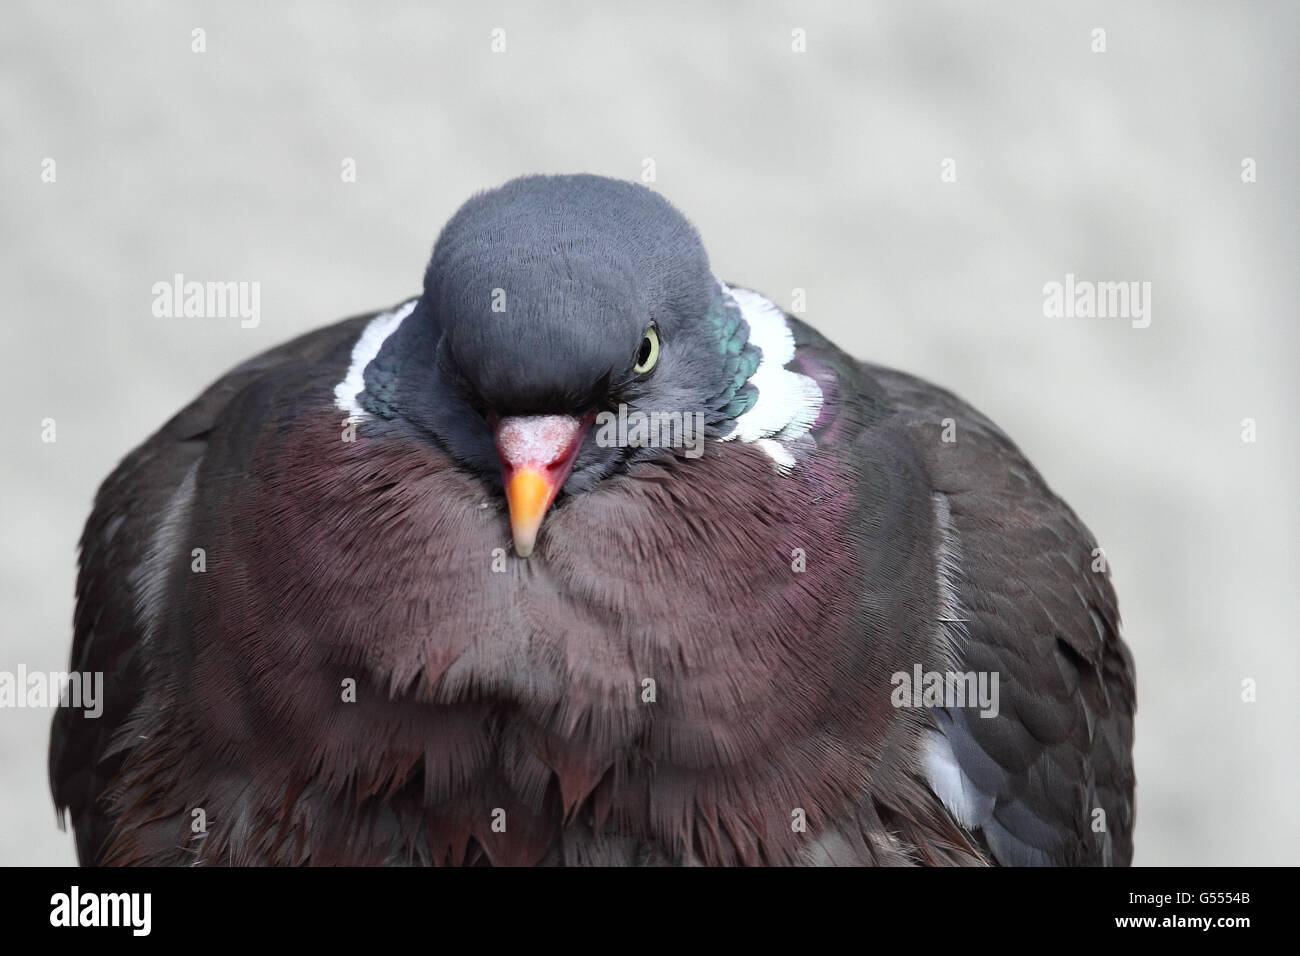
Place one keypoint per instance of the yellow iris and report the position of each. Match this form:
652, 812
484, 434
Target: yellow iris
648, 353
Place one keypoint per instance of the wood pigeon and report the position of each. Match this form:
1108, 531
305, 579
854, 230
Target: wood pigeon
585, 557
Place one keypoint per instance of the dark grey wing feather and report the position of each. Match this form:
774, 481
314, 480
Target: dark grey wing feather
1028, 783
86, 753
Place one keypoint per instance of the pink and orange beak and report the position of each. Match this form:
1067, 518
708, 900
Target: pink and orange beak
537, 453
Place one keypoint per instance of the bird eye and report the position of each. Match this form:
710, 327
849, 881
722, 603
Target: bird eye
648, 353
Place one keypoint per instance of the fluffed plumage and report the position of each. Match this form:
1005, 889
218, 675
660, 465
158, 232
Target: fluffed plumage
696, 665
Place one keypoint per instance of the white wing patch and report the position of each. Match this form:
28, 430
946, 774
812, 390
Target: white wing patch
951, 622
968, 805
369, 343
148, 579
964, 801
788, 402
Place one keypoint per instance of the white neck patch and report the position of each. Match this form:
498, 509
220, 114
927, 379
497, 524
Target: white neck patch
368, 344
788, 402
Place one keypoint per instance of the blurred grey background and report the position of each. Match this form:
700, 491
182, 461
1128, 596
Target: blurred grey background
817, 170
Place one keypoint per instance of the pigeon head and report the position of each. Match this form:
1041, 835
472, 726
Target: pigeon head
555, 306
